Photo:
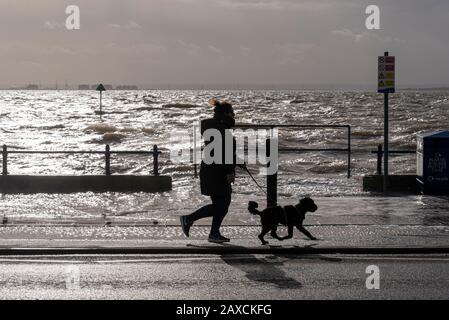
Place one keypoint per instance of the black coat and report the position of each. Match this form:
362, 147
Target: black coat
213, 177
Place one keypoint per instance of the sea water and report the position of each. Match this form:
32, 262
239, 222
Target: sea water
137, 120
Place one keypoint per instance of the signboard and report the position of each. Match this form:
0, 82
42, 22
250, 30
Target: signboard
100, 88
386, 74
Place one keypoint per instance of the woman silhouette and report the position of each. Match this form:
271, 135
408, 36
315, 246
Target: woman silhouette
215, 178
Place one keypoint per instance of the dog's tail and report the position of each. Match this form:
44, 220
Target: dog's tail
252, 208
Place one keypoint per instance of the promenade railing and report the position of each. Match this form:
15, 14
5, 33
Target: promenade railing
380, 153
272, 179
106, 153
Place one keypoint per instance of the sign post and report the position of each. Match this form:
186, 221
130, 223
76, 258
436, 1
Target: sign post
386, 85
100, 88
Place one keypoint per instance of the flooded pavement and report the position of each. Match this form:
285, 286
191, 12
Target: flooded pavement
407, 209
406, 221
329, 236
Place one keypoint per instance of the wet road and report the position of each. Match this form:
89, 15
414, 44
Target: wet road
223, 277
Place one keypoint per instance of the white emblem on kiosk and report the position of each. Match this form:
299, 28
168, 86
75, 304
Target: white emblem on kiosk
437, 163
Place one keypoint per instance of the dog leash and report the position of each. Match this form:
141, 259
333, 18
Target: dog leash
255, 181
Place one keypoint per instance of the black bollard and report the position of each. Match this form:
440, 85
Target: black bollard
271, 182
155, 161
379, 159
5, 160
108, 160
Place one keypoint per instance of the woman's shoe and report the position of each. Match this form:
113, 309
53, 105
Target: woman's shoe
185, 225
218, 239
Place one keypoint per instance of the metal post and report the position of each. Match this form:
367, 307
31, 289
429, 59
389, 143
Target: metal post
379, 159
386, 138
386, 147
5, 160
108, 160
195, 169
100, 108
271, 182
155, 161
349, 152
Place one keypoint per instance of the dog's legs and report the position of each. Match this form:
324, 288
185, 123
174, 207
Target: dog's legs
262, 234
307, 233
275, 235
290, 233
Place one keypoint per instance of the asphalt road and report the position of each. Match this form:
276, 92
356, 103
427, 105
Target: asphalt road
223, 277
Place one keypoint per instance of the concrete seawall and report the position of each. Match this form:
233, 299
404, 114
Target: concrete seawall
396, 183
15, 184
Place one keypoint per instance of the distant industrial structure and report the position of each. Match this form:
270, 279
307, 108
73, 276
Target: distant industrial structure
32, 87
107, 87
28, 87
66, 86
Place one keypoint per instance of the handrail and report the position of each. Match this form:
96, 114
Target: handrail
272, 179
310, 126
79, 152
107, 153
299, 150
305, 126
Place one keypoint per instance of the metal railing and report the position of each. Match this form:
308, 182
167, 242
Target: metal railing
272, 179
299, 150
107, 156
380, 152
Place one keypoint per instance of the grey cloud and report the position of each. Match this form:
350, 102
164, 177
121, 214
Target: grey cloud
365, 36
214, 49
190, 48
138, 49
128, 25
252, 41
275, 4
245, 51
51, 25
296, 53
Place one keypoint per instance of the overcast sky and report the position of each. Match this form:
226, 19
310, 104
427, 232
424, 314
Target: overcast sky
221, 42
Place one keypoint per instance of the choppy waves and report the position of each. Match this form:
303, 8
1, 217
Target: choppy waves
111, 133
135, 120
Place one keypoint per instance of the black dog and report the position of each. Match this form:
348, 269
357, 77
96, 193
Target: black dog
290, 216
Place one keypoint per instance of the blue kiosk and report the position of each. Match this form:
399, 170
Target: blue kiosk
432, 160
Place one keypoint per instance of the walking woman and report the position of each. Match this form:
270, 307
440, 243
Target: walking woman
215, 178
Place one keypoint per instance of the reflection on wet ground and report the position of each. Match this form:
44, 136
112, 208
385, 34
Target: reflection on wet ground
164, 209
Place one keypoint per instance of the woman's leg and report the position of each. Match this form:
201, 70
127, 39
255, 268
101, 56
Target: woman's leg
203, 212
220, 209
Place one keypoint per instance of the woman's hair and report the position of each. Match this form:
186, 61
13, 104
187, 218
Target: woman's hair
220, 108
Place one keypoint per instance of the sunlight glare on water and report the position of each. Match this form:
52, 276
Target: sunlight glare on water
136, 120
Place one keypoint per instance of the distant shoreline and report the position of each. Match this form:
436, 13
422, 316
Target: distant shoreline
232, 88
426, 89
